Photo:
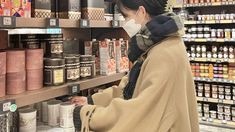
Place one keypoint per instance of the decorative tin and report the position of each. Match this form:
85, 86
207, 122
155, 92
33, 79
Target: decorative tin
34, 79
34, 59
87, 66
69, 9
41, 8
66, 115
15, 61
92, 10
72, 63
54, 113
18, 78
21, 8
28, 120
54, 71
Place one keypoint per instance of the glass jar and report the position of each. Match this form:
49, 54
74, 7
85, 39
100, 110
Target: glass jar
220, 33
217, 17
227, 33
233, 33
200, 34
213, 33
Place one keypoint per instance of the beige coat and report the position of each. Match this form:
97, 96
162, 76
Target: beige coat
164, 99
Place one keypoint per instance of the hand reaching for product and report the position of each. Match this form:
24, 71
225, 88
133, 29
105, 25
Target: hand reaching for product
79, 100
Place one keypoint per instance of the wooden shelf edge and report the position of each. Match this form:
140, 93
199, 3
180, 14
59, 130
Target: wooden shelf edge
46, 93
217, 124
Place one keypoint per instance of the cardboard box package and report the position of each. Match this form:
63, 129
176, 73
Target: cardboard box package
69, 9
92, 9
43, 8
109, 11
107, 57
5, 9
21, 8
122, 61
92, 48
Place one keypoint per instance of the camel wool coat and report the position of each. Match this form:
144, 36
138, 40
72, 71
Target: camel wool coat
164, 99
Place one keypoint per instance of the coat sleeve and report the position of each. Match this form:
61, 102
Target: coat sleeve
154, 102
104, 97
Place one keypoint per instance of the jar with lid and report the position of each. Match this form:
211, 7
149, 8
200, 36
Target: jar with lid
222, 17
207, 34
54, 71
227, 16
87, 66
213, 33
200, 29
227, 33
200, 34
194, 35
217, 17
72, 64
193, 28
220, 33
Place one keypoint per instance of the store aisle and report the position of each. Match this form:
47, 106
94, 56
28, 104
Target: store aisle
204, 128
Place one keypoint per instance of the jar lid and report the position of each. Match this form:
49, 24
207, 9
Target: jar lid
220, 30
54, 102
54, 62
28, 36
227, 29
87, 58
25, 111
213, 112
72, 58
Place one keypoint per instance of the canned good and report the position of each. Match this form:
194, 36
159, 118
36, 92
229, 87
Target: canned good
227, 109
72, 63
215, 95
221, 116
213, 114
220, 108
227, 117
87, 66
206, 107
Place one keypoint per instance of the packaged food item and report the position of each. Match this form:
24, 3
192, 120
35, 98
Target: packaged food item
21, 8
92, 9
69, 9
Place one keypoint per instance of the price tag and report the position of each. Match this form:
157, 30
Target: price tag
84, 23
115, 23
220, 101
7, 105
199, 22
52, 23
74, 89
7, 21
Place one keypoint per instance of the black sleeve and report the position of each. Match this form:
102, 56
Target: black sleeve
77, 118
90, 100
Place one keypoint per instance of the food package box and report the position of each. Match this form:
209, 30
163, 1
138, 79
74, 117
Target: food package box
92, 9
122, 61
42, 8
109, 11
107, 57
69, 9
21, 8
92, 48
5, 9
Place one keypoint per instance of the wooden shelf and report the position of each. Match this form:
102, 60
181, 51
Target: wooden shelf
209, 22
218, 123
218, 40
214, 80
19, 22
31, 97
228, 3
217, 60
211, 100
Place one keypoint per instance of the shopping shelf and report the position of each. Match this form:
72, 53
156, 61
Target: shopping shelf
31, 97
209, 22
217, 123
227, 3
216, 60
219, 40
211, 100
218, 80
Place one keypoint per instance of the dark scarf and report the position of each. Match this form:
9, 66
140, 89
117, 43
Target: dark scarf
159, 28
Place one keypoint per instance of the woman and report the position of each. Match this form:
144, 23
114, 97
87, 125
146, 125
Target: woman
159, 95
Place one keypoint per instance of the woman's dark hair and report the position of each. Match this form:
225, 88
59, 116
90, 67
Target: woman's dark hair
153, 7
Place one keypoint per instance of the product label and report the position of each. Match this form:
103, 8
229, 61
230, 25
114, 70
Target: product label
47, 76
56, 48
88, 48
73, 74
85, 71
58, 76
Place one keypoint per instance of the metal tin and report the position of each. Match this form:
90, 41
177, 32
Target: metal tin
213, 33
15, 61
233, 111
227, 89
34, 79
214, 88
227, 109
227, 33
2, 63
220, 108
54, 49
213, 114
27, 120
207, 87
66, 115
200, 93
199, 107
54, 113
207, 94
72, 64
228, 96
206, 114
18, 78
221, 95
215, 95
87, 66
228, 117
221, 88
206, 107
220, 33
221, 116
54, 71
34, 59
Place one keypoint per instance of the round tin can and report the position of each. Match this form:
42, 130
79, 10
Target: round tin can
15, 61
34, 79
221, 95
16, 83
233, 111
206, 114
221, 116
2, 63
227, 89
30, 41
207, 94
54, 113
200, 93
227, 109
200, 86
213, 114
66, 115
206, 108
214, 88
54, 71
87, 66
220, 108
54, 49
2, 85
28, 120
34, 59
221, 88
228, 96
207, 87
215, 95
72, 64
228, 117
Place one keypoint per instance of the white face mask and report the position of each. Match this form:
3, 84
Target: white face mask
131, 27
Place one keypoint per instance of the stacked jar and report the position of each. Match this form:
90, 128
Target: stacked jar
87, 66
211, 17
2, 74
30, 41
72, 65
16, 73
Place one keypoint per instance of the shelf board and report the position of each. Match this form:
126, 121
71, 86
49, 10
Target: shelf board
214, 80
218, 123
209, 22
211, 100
31, 97
217, 60
30, 22
228, 3
200, 40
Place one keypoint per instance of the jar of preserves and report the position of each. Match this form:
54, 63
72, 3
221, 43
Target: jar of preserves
227, 33
213, 33
220, 33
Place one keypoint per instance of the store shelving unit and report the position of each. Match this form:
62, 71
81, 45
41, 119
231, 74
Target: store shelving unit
227, 3
218, 123
31, 97
216, 60
209, 22
218, 40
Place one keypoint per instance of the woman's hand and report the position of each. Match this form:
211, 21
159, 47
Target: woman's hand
79, 100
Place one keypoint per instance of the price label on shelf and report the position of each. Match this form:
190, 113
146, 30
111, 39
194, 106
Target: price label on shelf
52, 22
84, 23
8, 105
7, 22
74, 89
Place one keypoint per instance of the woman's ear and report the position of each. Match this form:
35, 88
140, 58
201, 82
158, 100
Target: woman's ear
142, 11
